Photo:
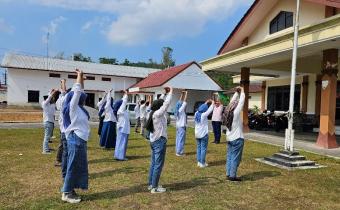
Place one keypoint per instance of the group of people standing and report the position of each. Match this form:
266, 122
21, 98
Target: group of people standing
114, 130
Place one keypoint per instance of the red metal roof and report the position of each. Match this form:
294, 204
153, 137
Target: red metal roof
332, 3
161, 77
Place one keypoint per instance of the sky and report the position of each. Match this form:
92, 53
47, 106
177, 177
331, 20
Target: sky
132, 29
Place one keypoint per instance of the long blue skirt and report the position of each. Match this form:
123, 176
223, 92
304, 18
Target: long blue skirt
77, 174
121, 145
108, 135
180, 140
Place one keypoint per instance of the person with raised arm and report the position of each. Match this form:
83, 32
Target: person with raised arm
216, 120
77, 131
148, 110
202, 131
123, 127
235, 138
142, 117
157, 125
101, 114
62, 145
49, 108
108, 135
137, 114
181, 123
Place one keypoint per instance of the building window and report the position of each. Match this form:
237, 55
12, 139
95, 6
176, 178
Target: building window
90, 78
278, 98
33, 96
107, 79
72, 76
54, 75
282, 21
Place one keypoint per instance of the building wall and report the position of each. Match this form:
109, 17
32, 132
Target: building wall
20, 81
310, 13
3, 96
255, 100
286, 81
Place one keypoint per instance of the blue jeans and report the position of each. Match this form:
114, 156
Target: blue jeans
202, 145
234, 156
158, 150
48, 126
180, 140
217, 130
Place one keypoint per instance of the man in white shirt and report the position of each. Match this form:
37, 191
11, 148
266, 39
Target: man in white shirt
49, 109
235, 138
216, 121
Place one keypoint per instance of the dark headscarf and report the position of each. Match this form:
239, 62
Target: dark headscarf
156, 105
228, 115
116, 107
66, 108
102, 108
201, 109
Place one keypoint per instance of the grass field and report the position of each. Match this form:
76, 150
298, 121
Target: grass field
30, 181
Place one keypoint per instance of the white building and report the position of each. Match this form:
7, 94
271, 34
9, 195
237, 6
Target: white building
30, 78
187, 76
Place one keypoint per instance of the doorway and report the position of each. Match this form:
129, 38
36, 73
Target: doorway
90, 100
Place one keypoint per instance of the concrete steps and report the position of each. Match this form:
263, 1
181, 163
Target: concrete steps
290, 160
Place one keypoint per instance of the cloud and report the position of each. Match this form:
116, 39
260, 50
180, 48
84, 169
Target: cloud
5, 27
141, 21
52, 27
96, 22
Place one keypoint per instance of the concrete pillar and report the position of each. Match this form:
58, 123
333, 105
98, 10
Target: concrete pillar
245, 84
326, 138
304, 94
263, 96
318, 96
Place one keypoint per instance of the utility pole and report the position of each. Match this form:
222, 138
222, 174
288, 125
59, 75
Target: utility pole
289, 138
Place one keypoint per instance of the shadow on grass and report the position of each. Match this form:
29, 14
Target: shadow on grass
111, 159
217, 163
126, 170
260, 175
136, 157
113, 194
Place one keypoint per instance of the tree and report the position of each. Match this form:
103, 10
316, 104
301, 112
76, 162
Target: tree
223, 79
80, 57
167, 60
104, 60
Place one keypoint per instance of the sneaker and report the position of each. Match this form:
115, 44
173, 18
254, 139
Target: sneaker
57, 163
234, 179
72, 198
50, 141
47, 152
159, 189
150, 187
180, 155
204, 165
199, 164
53, 137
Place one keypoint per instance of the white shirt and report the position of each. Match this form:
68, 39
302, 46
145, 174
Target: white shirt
59, 105
148, 110
48, 109
142, 111
181, 119
109, 115
123, 117
202, 128
100, 104
79, 120
237, 125
217, 113
160, 121
137, 111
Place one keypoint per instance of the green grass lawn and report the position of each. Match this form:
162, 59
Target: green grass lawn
30, 181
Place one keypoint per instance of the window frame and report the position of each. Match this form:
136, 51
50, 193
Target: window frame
54, 75
36, 97
288, 21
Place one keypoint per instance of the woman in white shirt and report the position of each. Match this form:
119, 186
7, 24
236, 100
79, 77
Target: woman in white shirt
181, 123
148, 111
123, 126
108, 133
49, 109
202, 131
77, 131
234, 124
157, 125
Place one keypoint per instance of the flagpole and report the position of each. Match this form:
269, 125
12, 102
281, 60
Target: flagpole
289, 138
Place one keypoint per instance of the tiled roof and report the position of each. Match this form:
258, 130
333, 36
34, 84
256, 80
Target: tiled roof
59, 65
160, 77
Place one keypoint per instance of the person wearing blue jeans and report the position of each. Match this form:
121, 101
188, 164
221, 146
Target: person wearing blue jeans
234, 123
234, 156
48, 126
202, 131
158, 151
157, 125
202, 145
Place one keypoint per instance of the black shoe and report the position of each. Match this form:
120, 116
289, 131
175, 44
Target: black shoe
234, 179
